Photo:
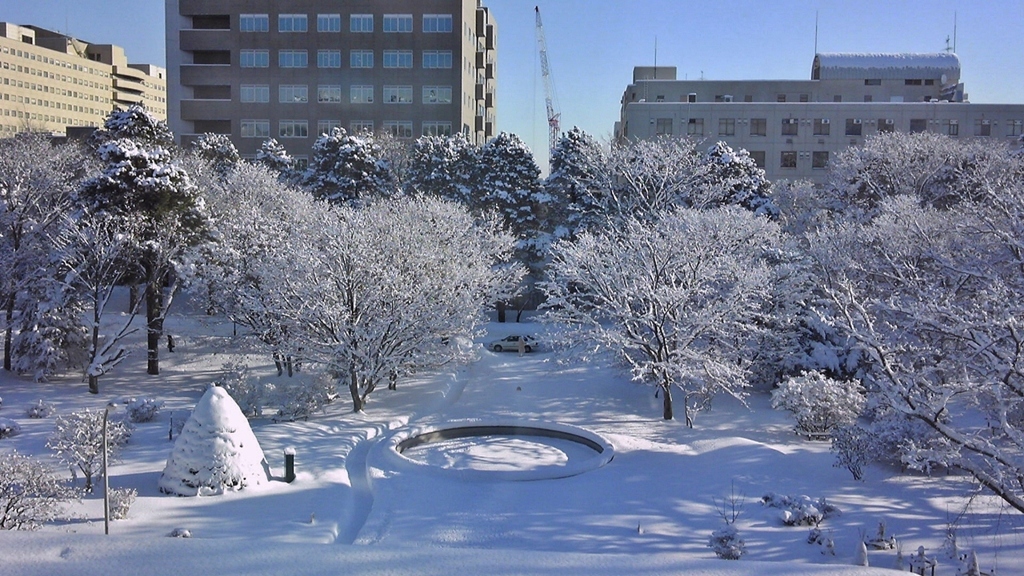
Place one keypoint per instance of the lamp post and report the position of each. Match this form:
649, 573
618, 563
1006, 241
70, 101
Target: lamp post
106, 481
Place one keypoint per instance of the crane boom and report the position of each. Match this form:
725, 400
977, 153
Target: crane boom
554, 132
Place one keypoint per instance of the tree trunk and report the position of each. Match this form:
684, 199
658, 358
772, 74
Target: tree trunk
353, 389
154, 325
94, 381
501, 312
666, 400
94, 384
8, 334
133, 297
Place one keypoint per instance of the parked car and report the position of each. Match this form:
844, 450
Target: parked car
511, 344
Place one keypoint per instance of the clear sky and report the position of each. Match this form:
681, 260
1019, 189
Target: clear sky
594, 44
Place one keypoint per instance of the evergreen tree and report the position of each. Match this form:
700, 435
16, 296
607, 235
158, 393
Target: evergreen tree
440, 166
347, 168
576, 163
273, 156
730, 176
135, 123
218, 150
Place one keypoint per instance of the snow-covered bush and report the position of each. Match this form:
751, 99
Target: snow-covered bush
819, 403
301, 399
881, 540
30, 494
216, 450
77, 439
893, 439
180, 533
727, 544
248, 392
9, 428
142, 409
800, 510
39, 410
121, 499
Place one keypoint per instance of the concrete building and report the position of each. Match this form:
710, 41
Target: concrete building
792, 127
51, 81
293, 69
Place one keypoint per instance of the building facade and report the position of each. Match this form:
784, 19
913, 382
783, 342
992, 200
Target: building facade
51, 81
793, 127
293, 69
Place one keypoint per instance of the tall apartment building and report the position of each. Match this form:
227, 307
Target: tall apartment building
792, 127
293, 69
51, 81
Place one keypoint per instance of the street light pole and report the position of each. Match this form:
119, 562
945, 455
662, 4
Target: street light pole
106, 481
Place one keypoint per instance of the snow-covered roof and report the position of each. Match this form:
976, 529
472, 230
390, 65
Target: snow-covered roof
886, 66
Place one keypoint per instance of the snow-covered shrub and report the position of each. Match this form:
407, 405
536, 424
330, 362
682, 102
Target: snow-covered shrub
142, 409
248, 392
892, 439
299, 400
819, 403
800, 510
180, 533
727, 544
77, 439
39, 410
30, 494
9, 428
121, 499
215, 451
881, 541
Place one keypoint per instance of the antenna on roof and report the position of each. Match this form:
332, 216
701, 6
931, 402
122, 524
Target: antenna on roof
655, 57
954, 32
815, 32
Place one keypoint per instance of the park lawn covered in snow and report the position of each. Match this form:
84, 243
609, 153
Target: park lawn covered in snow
357, 508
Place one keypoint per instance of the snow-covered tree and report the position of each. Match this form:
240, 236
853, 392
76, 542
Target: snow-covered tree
440, 166
677, 300
30, 493
218, 150
819, 403
216, 450
77, 439
576, 162
148, 185
134, 123
646, 178
727, 176
273, 155
347, 168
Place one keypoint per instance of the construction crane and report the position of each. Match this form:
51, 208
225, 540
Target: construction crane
554, 132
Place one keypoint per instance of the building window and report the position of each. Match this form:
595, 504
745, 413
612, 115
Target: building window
951, 127
854, 127
293, 129
437, 58
254, 22
328, 58
726, 126
255, 93
886, 125
398, 58
360, 126
805, 98
398, 128
398, 94
758, 157
819, 160
869, 98
437, 128
360, 59
695, 127
790, 126
787, 159
780, 98
873, 82
293, 94
663, 126
822, 127
360, 23
398, 22
292, 59
982, 128
256, 129
328, 93
326, 126
254, 58
328, 22
758, 126
912, 82
837, 98
292, 23
1014, 127
361, 94
918, 125
437, 94
437, 23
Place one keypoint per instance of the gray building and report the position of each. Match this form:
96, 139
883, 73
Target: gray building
293, 69
792, 127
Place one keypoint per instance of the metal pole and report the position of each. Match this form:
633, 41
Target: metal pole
106, 481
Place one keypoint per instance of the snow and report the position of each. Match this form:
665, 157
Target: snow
355, 509
898, 66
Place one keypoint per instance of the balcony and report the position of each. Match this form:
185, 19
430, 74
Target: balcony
128, 98
122, 85
203, 74
490, 71
208, 109
479, 123
204, 39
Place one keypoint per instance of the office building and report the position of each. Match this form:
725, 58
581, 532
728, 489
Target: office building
294, 69
793, 127
51, 81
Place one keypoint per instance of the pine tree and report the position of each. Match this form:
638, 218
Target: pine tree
273, 156
576, 163
218, 150
347, 168
440, 166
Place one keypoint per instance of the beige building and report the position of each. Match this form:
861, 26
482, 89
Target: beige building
51, 81
293, 69
792, 127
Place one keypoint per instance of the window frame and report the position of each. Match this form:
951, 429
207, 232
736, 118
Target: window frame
292, 21
296, 126
256, 23
816, 160
360, 59
394, 93
726, 126
328, 58
394, 127
253, 126
397, 23
326, 23
438, 92
255, 91
290, 58
397, 59
759, 127
436, 128
437, 57
254, 55
360, 23
330, 89
822, 127
437, 20
293, 94
788, 159
358, 94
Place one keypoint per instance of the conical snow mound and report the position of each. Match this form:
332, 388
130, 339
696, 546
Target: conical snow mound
216, 450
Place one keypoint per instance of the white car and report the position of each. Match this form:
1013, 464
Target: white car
511, 344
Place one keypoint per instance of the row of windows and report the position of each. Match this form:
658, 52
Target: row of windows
300, 128
822, 126
331, 93
357, 23
54, 62
56, 105
258, 58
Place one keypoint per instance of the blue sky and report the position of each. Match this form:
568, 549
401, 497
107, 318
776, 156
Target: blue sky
594, 44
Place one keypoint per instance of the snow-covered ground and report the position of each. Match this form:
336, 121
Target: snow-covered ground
465, 506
